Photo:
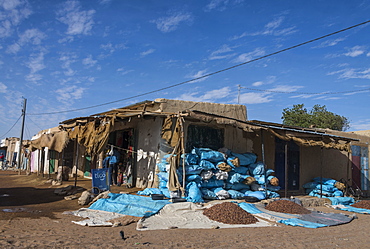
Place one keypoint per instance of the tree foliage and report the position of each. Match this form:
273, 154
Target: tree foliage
318, 117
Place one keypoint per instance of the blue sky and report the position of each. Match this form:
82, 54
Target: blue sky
67, 55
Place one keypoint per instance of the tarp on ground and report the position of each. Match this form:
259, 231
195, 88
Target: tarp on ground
313, 220
187, 215
94, 217
127, 204
351, 209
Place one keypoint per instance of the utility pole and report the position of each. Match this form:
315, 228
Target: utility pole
21, 137
239, 93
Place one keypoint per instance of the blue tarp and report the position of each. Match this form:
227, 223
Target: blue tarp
126, 204
301, 223
312, 220
355, 210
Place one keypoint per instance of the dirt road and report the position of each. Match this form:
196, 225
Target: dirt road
31, 217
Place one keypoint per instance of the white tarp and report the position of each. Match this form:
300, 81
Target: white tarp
95, 217
187, 215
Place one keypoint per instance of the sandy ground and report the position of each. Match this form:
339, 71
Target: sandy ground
36, 221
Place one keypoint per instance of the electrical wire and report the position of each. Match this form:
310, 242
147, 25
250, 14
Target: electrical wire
308, 93
11, 127
209, 74
35, 123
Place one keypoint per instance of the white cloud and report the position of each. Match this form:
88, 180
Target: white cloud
221, 53
249, 56
69, 93
271, 28
355, 51
208, 96
285, 88
198, 74
351, 73
171, 23
330, 43
123, 71
254, 98
269, 80
13, 12
104, 1
33, 36
361, 125
36, 62
80, 22
111, 48
148, 52
67, 59
303, 96
257, 83
89, 61
220, 5
3, 87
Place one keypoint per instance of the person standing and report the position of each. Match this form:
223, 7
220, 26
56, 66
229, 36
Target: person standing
2, 157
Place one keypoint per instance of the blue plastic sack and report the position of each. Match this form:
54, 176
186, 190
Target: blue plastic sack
162, 166
212, 183
206, 165
237, 186
258, 194
236, 178
245, 158
242, 170
341, 200
257, 168
192, 159
212, 156
193, 193
193, 178
191, 169
150, 191
338, 193
234, 194
260, 179
269, 172
163, 176
208, 194
165, 192
326, 181
272, 194
327, 188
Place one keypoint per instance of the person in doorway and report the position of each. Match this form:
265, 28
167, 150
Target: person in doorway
2, 157
113, 166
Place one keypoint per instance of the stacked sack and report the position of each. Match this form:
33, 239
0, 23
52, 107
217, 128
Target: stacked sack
325, 187
220, 175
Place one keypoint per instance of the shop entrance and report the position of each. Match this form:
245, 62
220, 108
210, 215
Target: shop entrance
292, 172
123, 141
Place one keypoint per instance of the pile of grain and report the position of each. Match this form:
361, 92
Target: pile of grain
285, 206
362, 204
229, 213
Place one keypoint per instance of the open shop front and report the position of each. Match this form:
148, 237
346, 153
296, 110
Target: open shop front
121, 144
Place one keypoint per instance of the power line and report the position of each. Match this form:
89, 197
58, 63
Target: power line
12, 126
209, 74
308, 93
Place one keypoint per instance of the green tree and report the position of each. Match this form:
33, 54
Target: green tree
318, 117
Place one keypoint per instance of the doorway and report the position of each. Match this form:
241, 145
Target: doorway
293, 155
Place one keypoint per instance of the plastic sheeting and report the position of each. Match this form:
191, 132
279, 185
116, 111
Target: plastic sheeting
313, 220
187, 215
133, 205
